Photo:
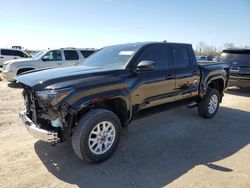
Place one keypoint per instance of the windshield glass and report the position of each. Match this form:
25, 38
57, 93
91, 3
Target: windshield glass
112, 57
38, 55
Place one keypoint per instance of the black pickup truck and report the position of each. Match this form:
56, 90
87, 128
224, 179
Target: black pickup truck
95, 102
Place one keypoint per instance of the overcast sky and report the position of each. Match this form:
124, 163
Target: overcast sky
96, 23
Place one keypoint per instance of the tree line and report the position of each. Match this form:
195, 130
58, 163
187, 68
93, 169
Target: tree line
202, 48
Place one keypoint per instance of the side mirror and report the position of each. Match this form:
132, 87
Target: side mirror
46, 58
146, 65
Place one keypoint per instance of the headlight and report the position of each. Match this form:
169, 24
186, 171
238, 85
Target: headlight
53, 97
8, 66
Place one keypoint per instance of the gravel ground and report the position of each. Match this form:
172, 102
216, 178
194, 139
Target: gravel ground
176, 148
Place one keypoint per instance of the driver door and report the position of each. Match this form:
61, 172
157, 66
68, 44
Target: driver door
156, 86
52, 58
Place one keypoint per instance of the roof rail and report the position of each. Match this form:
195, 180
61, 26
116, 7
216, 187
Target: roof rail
68, 48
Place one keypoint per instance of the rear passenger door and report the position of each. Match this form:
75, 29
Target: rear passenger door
71, 58
157, 86
187, 72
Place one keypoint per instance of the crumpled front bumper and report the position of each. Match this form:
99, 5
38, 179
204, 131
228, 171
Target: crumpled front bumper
37, 132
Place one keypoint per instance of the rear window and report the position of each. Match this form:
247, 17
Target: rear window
87, 53
71, 55
235, 56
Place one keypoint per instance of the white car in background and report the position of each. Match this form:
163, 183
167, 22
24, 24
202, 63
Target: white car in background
46, 59
9, 54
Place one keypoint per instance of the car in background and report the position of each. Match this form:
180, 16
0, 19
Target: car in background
46, 59
239, 62
205, 58
9, 54
201, 58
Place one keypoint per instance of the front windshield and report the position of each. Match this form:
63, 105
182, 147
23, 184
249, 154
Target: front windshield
112, 57
38, 54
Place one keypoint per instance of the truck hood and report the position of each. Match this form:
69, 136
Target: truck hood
13, 61
56, 78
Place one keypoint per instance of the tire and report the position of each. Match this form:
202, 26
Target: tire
85, 142
208, 106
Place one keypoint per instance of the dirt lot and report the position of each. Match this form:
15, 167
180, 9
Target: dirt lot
176, 148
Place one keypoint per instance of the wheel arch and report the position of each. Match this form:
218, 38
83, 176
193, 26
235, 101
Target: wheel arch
118, 105
217, 83
22, 70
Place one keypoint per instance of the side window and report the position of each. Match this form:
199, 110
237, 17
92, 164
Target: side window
54, 55
17, 53
181, 57
6, 52
86, 53
156, 53
71, 55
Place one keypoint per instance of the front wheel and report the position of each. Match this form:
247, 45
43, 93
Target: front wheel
96, 136
209, 105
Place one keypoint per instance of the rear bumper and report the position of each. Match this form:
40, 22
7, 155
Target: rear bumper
35, 131
239, 81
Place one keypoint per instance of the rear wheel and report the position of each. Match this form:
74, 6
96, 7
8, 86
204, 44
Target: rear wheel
96, 136
209, 105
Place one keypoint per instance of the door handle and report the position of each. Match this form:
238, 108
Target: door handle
170, 76
15, 58
1, 57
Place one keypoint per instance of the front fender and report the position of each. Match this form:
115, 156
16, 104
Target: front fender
211, 78
80, 101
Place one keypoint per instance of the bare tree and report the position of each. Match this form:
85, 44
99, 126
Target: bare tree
203, 48
200, 47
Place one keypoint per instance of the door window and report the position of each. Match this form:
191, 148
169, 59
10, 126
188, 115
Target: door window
18, 53
71, 55
157, 54
54, 55
181, 57
6, 52
86, 53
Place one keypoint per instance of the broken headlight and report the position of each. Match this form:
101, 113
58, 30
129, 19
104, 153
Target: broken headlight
53, 97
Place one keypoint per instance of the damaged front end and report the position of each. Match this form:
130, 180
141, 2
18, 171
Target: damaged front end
46, 116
